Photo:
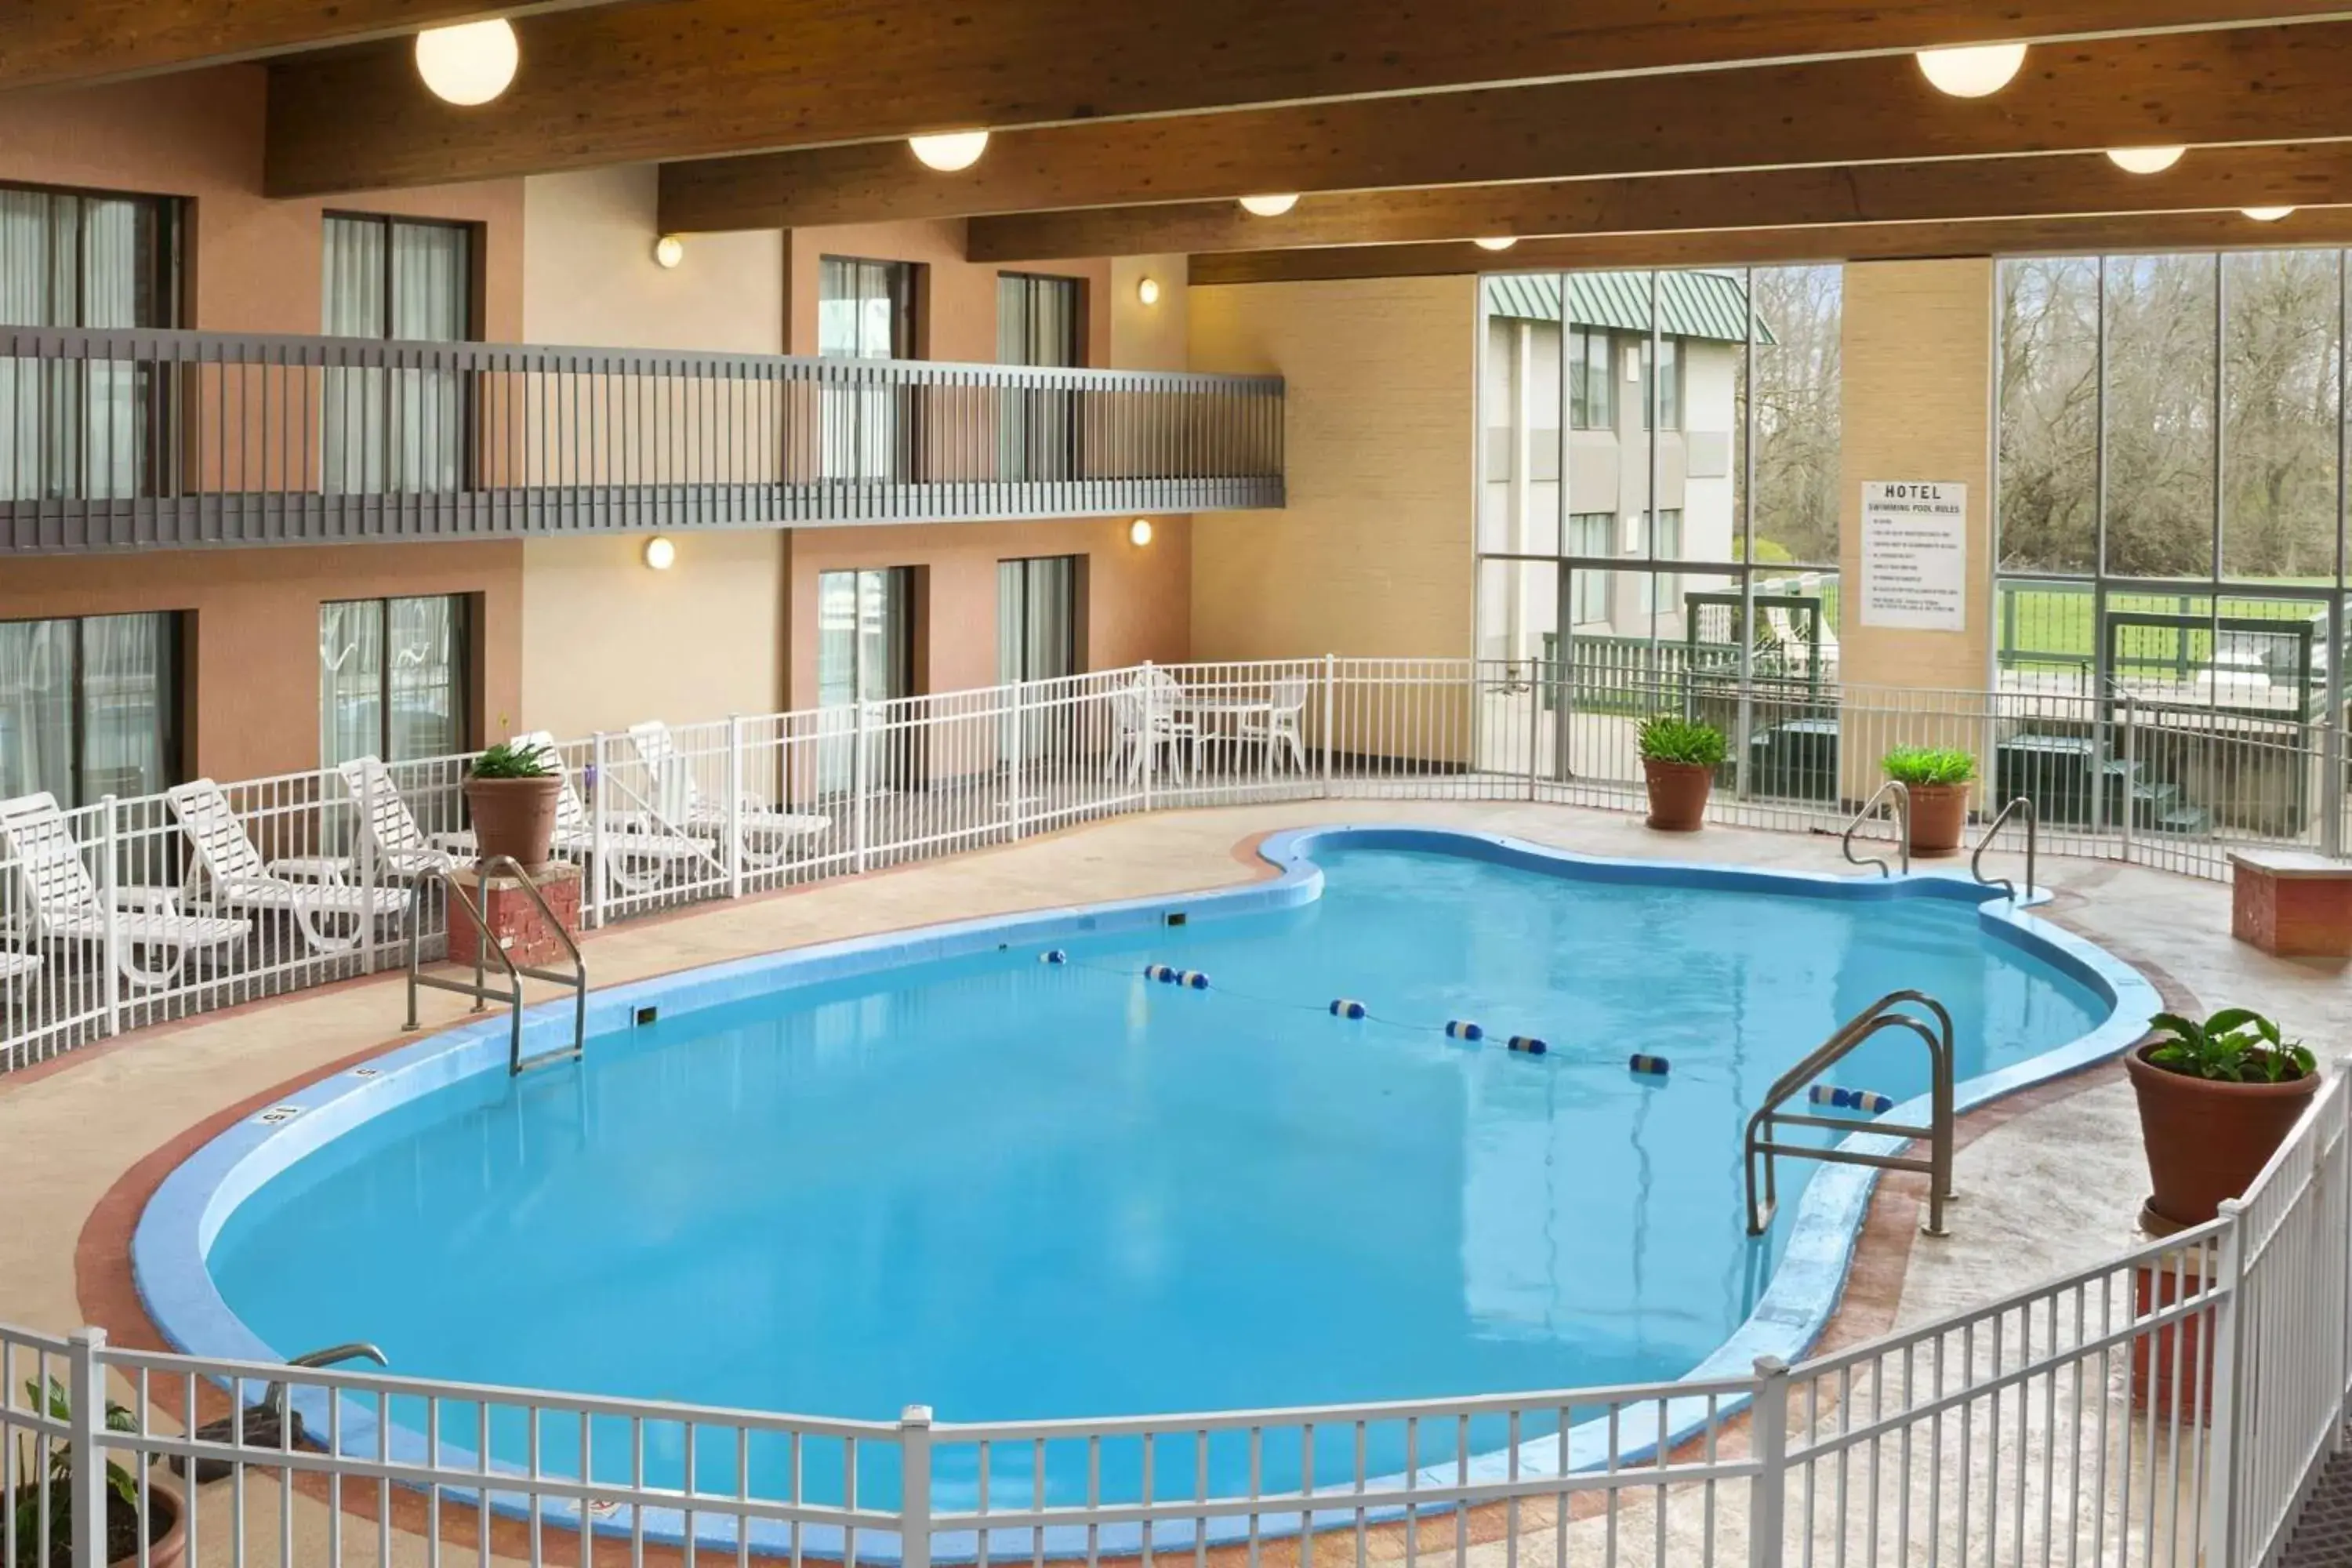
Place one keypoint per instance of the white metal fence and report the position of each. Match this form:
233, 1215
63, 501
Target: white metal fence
659, 816
2169, 1406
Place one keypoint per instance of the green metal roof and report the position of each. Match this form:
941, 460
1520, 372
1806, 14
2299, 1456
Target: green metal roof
1711, 305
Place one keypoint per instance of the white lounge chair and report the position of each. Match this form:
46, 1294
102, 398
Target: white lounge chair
14, 967
310, 888
632, 840
680, 805
60, 903
388, 830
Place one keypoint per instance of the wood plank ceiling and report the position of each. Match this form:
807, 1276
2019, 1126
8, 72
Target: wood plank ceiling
1604, 133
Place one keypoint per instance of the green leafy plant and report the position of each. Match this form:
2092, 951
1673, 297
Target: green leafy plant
2236, 1045
1929, 766
57, 1484
508, 760
1667, 738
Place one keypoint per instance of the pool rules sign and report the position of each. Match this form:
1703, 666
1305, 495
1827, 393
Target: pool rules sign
1915, 555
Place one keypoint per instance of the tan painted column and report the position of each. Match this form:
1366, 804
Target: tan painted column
1917, 405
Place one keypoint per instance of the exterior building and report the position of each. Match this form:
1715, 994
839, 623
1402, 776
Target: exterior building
1625, 440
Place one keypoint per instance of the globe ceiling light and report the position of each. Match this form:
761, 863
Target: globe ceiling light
1498, 242
951, 152
1269, 207
470, 63
2267, 215
2144, 160
1972, 71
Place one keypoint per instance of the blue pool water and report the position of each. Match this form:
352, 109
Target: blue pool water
1007, 1189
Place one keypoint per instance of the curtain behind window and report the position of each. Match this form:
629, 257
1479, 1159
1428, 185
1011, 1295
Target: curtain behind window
73, 429
1036, 324
127, 687
36, 681
423, 685
395, 432
351, 677
865, 311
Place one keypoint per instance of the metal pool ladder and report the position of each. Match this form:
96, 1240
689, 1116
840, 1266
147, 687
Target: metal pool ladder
1883, 1015
1902, 793
479, 988
2023, 807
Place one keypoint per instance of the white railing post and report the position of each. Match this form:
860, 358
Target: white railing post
1147, 705
1330, 715
109, 882
369, 879
2225, 1404
859, 783
2131, 769
1768, 1491
734, 806
86, 1389
914, 1490
600, 763
1017, 773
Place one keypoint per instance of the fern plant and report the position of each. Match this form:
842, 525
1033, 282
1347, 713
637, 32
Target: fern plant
32, 1550
1929, 766
512, 760
1665, 738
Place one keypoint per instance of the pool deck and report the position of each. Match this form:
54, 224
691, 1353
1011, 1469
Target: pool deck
2050, 1181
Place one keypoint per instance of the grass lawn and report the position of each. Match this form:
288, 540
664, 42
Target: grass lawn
2052, 627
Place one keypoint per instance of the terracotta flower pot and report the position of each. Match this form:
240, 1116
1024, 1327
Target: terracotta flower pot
167, 1529
1939, 814
514, 817
1678, 793
2208, 1140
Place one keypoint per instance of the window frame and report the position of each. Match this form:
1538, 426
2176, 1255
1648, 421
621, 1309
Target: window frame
465, 646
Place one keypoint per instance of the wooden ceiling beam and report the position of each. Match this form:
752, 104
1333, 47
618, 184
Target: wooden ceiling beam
60, 42
2056, 185
2106, 235
2246, 86
691, 78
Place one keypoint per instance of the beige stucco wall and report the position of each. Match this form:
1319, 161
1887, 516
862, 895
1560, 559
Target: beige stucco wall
1373, 554
605, 640
589, 276
1917, 346
1150, 337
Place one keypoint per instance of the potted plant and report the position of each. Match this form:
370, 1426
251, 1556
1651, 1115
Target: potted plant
1679, 757
511, 791
2216, 1100
167, 1537
1938, 778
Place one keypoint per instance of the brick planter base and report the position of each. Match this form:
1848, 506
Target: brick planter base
515, 921
2292, 903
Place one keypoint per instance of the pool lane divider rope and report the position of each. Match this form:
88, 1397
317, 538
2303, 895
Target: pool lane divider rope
1345, 1007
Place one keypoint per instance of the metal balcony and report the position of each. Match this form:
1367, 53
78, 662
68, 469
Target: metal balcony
137, 440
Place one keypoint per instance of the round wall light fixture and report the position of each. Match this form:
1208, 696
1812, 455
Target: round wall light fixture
1147, 290
2267, 215
1973, 70
1139, 532
470, 63
1499, 242
2144, 160
669, 250
660, 554
951, 152
1269, 207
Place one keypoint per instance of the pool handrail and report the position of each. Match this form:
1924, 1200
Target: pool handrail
1880, 1016
2023, 803
1902, 793
487, 944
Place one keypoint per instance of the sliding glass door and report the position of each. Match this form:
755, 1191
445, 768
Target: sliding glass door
865, 653
865, 311
89, 708
391, 678
396, 432
1036, 639
1037, 323
83, 427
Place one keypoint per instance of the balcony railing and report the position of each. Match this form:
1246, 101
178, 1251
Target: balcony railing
129, 439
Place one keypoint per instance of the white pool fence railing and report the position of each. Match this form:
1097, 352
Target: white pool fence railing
2170, 1406
747, 805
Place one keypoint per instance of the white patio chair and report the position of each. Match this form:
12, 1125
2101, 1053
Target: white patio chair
1148, 714
681, 807
15, 967
388, 830
632, 840
310, 888
1277, 728
60, 903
